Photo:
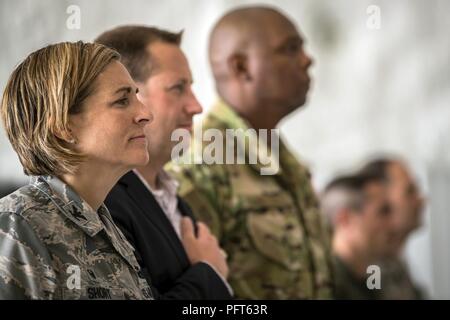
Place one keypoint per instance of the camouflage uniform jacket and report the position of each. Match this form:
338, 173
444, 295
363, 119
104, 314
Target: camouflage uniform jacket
269, 225
349, 286
397, 283
53, 245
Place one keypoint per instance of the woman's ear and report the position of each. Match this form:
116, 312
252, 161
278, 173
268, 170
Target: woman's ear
238, 66
67, 136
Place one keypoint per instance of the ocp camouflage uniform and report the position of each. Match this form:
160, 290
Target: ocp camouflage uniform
396, 281
269, 225
50, 238
350, 286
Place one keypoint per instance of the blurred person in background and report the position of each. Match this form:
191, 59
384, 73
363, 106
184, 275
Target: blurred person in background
359, 213
407, 205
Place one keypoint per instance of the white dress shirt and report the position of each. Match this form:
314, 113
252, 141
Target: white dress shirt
166, 196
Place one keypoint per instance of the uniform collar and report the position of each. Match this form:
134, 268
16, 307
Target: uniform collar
81, 213
224, 114
71, 204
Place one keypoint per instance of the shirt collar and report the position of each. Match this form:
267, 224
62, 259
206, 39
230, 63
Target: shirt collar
70, 203
166, 182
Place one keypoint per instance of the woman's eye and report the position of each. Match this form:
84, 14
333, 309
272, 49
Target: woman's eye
123, 102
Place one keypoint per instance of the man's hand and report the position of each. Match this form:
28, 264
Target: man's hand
204, 247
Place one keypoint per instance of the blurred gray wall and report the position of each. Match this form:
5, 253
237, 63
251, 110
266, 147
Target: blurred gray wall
374, 90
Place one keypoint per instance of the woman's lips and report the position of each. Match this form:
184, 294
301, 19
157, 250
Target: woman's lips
137, 137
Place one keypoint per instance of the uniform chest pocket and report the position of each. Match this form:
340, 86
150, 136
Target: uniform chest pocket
101, 282
276, 232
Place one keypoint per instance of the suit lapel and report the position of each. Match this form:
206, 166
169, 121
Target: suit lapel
145, 200
187, 212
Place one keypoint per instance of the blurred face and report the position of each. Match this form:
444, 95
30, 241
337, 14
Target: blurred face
371, 226
168, 91
405, 198
280, 65
110, 128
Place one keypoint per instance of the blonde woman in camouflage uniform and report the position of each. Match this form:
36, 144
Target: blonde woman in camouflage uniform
71, 113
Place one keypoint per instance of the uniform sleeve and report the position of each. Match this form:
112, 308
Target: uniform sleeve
25, 268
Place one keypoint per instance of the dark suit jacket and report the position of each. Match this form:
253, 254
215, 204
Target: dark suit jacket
159, 250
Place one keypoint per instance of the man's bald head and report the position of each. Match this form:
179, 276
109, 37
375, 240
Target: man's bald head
240, 29
257, 59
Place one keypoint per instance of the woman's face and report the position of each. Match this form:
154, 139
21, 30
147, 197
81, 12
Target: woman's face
110, 128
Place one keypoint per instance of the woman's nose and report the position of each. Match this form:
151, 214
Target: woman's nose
145, 113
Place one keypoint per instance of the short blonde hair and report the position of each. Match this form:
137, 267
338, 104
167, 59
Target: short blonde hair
41, 93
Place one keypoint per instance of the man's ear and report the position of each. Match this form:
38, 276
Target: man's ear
344, 217
239, 67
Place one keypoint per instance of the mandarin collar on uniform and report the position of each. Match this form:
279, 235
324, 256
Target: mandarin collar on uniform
232, 120
70, 203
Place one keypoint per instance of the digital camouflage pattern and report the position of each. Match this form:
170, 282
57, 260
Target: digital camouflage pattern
269, 225
50, 238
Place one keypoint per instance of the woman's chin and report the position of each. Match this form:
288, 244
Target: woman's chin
139, 159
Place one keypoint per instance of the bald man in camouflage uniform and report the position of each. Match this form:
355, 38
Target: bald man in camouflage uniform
54, 246
269, 225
